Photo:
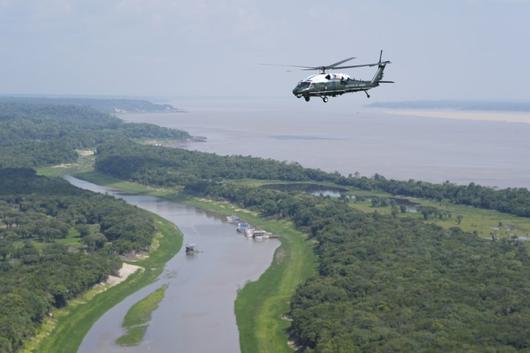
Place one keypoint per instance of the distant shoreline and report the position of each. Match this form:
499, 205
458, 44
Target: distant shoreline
453, 114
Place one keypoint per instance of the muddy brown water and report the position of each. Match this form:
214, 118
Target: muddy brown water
197, 312
338, 136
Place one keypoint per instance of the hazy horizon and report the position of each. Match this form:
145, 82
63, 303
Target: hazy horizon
451, 50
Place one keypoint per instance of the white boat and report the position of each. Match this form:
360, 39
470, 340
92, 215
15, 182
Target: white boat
261, 234
249, 232
241, 227
233, 219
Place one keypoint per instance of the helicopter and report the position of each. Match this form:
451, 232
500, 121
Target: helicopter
327, 84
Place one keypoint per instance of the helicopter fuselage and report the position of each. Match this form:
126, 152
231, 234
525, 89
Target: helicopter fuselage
330, 84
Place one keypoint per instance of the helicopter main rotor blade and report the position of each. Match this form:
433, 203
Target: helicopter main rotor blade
298, 66
310, 68
363, 65
339, 62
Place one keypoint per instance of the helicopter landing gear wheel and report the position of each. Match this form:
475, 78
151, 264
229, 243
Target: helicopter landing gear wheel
325, 99
306, 98
367, 95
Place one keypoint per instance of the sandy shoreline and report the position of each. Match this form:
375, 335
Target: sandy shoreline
125, 271
500, 116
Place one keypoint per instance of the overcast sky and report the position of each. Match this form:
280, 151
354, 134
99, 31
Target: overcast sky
466, 49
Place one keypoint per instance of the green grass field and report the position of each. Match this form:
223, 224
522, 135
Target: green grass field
72, 238
137, 318
483, 222
127, 186
65, 332
84, 163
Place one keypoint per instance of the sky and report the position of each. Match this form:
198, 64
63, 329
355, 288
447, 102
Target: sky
454, 49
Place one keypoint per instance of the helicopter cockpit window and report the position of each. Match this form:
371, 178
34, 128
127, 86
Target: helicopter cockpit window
304, 84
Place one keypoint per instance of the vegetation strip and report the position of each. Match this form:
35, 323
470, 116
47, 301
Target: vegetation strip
73, 323
137, 318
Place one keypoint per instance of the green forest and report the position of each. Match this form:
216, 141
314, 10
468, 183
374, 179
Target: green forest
56, 241
106, 105
34, 135
169, 167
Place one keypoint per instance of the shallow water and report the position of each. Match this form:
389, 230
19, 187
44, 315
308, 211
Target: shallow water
197, 312
342, 136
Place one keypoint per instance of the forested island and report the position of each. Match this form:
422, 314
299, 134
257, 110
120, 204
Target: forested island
33, 135
105, 105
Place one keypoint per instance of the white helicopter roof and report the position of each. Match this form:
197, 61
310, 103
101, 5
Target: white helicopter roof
326, 77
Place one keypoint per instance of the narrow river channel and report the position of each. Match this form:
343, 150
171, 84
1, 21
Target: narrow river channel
197, 312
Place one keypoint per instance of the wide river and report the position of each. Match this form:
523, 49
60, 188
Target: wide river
197, 312
341, 136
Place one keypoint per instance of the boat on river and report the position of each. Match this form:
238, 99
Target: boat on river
249, 232
191, 249
261, 234
242, 227
233, 219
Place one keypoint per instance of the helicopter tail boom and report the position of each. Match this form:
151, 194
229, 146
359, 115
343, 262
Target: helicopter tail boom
378, 74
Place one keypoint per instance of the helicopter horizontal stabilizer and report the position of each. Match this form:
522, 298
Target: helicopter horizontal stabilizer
386, 82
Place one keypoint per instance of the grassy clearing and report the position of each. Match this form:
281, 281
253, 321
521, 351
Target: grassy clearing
72, 238
102, 179
483, 222
261, 305
137, 318
64, 333
84, 163
127, 186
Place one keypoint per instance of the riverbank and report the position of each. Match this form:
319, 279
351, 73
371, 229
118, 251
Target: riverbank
65, 332
261, 305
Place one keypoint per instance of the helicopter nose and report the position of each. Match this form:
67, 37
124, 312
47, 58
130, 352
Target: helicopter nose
296, 91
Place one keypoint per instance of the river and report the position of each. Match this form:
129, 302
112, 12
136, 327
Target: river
197, 312
342, 136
